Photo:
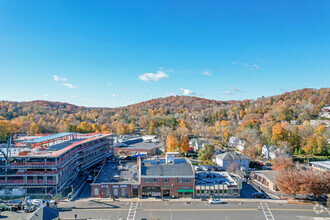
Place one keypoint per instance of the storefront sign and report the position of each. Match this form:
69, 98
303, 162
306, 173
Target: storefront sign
115, 186
123, 186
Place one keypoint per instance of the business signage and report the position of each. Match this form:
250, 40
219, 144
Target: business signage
123, 186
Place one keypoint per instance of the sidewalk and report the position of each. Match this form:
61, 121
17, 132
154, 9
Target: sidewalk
258, 186
147, 200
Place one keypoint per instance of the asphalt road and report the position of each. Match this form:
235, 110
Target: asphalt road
85, 209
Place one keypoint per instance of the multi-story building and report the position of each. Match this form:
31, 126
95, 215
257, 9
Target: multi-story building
225, 159
147, 177
48, 164
171, 176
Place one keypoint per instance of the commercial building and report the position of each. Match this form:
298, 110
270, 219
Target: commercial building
266, 178
323, 166
117, 179
137, 145
147, 177
171, 176
48, 164
217, 184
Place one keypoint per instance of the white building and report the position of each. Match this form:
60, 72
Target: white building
272, 151
237, 143
223, 160
197, 143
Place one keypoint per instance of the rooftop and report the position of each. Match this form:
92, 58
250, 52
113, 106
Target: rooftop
47, 138
54, 149
115, 172
232, 156
138, 144
214, 178
268, 174
323, 164
158, 167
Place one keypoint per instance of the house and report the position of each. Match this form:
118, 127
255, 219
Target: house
325, 112
225, 159
197, 144
272, 151
237, 143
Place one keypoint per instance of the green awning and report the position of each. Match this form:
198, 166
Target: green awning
185, 190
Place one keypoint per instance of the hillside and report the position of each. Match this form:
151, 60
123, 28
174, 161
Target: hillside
256, 120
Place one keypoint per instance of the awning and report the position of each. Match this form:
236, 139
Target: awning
185, 190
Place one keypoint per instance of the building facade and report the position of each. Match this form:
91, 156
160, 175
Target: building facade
48, 164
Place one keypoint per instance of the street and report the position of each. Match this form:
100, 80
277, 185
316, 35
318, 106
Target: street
88, 209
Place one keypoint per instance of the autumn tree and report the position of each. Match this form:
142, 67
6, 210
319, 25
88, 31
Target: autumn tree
279, 133
288, 181
232, 167
184, 145
6, 128
280, 163
105, 128
205, 155
34, 129
172, 143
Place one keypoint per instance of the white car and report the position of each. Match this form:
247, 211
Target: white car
215, 201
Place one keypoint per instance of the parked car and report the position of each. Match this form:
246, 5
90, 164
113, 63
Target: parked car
259, 195
215, 201
89, 178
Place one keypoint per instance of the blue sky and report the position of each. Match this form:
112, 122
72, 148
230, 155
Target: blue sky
114, 53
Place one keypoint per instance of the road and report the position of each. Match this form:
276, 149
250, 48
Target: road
85, 209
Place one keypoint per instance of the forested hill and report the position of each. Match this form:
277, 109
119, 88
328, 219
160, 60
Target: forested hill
174, 103
192, 112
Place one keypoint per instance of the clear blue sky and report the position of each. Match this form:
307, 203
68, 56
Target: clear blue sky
99, 53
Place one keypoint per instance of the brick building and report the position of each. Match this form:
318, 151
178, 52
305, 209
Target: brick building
167, 177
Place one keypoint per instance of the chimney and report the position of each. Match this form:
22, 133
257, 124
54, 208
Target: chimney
138, 161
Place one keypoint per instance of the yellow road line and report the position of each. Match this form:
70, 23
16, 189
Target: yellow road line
304, 210
193, 210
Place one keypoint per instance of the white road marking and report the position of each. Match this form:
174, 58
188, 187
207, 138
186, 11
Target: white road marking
132, 211
268, 214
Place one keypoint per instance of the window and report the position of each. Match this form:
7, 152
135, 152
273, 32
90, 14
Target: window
202, 191
165, 180
154, 180
146, 180
187, 180
180, 180
198, 191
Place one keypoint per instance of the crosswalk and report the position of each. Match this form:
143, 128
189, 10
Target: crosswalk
268, 214
132, 211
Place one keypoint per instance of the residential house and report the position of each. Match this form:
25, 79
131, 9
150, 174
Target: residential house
197, 143
237, 143
272, 151
225, 159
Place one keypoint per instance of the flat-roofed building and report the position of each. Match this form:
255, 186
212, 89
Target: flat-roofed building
173, 177
137, 145
117, 179
267, 178
216, 184
323, 166
48, 164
